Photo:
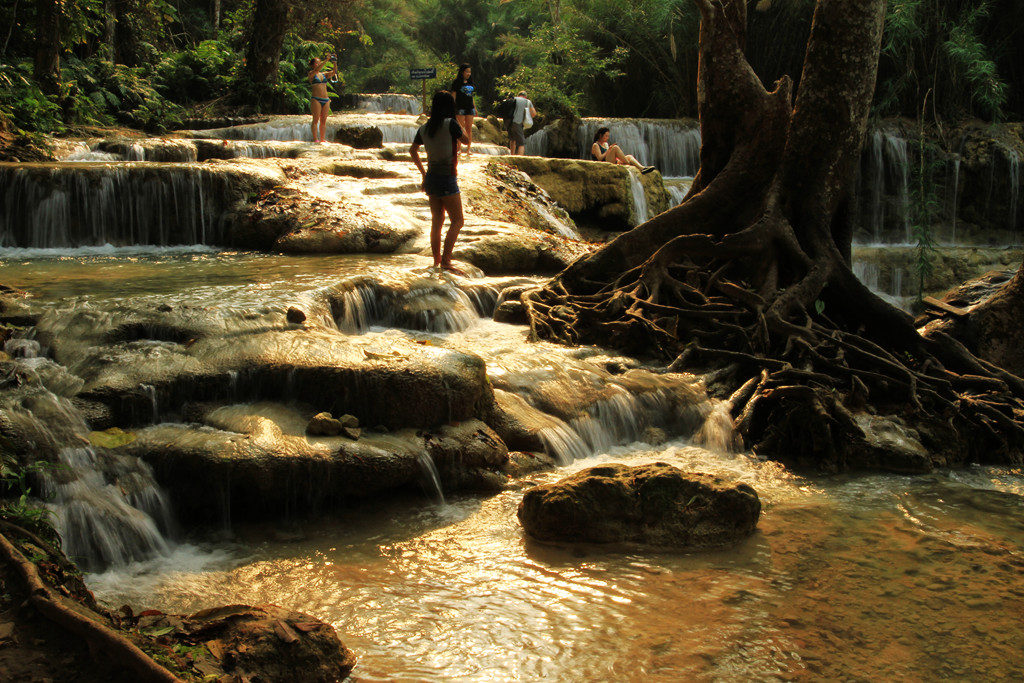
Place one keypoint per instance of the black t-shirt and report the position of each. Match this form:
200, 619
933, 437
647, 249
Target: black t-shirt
463, 97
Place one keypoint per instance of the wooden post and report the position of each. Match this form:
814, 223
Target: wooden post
424, 82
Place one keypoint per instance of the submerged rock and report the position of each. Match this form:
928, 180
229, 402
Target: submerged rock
323, 424
654, 505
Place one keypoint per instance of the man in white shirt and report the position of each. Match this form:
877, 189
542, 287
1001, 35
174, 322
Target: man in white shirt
516, 130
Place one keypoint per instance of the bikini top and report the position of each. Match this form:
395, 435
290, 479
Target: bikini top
603, 148
319, 78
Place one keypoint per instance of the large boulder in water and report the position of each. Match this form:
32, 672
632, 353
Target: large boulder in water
655, 504
596, 194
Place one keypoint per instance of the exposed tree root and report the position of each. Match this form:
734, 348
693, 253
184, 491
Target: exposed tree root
55, 608
751, 271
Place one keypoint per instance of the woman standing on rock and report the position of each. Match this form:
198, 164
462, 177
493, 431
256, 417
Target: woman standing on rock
462, 86
320, 104
441, 135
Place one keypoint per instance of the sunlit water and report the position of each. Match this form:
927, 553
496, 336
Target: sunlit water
863, 577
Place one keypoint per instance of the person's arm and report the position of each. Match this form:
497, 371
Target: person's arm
533, 110
458, 133
414, 152
595, 152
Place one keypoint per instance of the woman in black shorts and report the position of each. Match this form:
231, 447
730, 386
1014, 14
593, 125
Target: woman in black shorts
441, 135
462, 86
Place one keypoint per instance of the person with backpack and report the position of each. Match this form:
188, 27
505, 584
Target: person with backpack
522, 114
441, 135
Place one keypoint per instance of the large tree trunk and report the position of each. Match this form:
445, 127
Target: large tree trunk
269, 24
750, 274
47, 60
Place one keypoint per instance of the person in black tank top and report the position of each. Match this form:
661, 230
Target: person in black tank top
465, 107
441, 135
602, 151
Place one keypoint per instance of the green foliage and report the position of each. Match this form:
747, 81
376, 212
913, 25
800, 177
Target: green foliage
15, 491
23, 104
198, 73
925, 203
554, 65
937, 46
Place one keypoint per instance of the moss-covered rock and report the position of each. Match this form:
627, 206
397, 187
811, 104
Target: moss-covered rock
596, 194
653, 505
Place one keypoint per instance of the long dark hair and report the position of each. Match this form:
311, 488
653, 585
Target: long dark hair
441, 107
462, 69
600, 131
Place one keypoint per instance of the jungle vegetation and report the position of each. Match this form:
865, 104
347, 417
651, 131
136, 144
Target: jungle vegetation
149, 63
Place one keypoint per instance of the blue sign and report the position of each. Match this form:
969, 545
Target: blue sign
423, 74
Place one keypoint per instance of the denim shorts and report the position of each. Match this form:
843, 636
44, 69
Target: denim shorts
467, 112
438, 185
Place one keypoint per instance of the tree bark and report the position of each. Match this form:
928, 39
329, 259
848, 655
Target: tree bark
752, 272
216, 16
269, 24
47, 59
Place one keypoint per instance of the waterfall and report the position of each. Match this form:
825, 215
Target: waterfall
70, 205
423, 304
431, 476
537, 144
877, 183
896, 155
107, 508
388, 102
636, 189
403, 132
1013, 160
105, 505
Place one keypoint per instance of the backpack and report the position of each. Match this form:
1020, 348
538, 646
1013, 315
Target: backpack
505, 110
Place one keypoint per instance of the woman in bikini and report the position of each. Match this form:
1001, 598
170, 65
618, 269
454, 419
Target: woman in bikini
602, 151
320, 105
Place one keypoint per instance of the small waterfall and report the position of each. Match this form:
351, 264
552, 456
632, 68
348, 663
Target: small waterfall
399, 132
107, 509
69, 205
423, 304
431, 476
105, 505
610, 422
896, 155
388, 103
154, 408
636, 189
537, 144
876, 177
1013, 161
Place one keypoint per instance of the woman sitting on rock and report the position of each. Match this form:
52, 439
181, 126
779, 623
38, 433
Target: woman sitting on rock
441, 135
602, 151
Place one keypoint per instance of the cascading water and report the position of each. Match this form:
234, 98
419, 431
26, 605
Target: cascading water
421, 304
639, 197
1013, 163
896, 153
388, 102
71, 205
106, 506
